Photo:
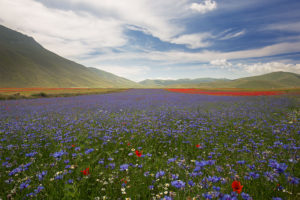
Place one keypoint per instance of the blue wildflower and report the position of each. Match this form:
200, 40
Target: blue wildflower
191, 183
39, 188
32, 154
241, 162
174, 176
112, 165
24, 185
41, 175
171, 160
124, 167
159, 174
207, 196
89, 151
178, 184
101, 162
70, 181
151, 187
167, 198
146, 173
246, 196
58, 154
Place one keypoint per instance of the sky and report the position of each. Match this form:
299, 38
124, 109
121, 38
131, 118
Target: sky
165, 39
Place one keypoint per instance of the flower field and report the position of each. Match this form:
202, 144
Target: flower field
228, 93
150, 144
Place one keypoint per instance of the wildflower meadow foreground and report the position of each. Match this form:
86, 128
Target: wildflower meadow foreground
150, 144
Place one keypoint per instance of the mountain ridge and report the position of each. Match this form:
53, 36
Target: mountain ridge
271, 80
26, 63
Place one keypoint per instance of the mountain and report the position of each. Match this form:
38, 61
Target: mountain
177, 83
25, 63
274, 80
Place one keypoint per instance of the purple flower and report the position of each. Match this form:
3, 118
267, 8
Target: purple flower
124, 167
151, 187
207, 196
112, 165
226, 197
70, 181
293, 180
146, 173
101, 162
174, 176
166, 198
171, 160
246, 196
159, 174
41, 175
178, 184
58, 177
241, 162
39, 188
77, 148
58, 154
89, 151
191, 183
32, 154
216, 188
24, 185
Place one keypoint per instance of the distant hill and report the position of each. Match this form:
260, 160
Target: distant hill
25, 63
177, 83
274, 80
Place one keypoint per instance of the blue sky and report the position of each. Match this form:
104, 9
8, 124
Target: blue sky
165, 39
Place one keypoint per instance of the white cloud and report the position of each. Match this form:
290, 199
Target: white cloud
222, 63
207, 5
64, 32
72, 28
257, 68
131, 72
177, 57
232, 35
287, 27
161, 78
262, 68
193, 41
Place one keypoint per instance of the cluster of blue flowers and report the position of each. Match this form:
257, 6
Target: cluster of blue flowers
188, 144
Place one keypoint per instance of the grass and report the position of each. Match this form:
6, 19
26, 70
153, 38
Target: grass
29, 93
103, 132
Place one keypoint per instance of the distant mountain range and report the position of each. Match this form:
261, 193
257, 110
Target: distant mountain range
25, 63
178, 82
267, 81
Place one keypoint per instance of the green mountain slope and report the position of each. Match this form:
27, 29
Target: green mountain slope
25, 63
274, 80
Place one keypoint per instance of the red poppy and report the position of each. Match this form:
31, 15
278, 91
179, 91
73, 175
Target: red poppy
86, 171
236, 186
138, 153
198, 145
73, 145
124, 181
128, 144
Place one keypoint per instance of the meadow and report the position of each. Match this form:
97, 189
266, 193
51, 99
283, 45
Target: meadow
30, 93
150, 144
